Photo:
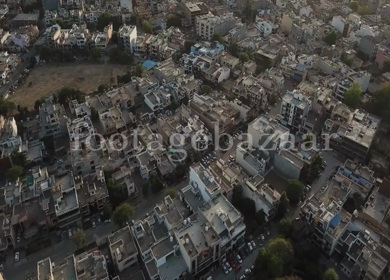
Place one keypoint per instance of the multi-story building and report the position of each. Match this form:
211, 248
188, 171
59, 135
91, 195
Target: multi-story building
355, 137
214, 114
193, 10
127, 37
250, 88
123, 177
9, 138
52, 118
267, 134
91, 265
46, 269
365, 257
208, 25
266, 28
266, 198
123, 250
253, 161
294, 109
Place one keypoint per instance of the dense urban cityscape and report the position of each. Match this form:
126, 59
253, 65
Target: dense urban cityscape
207, 140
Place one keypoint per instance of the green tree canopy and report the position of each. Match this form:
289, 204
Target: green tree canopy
218, 37
139, 70
118, 192
14, 173
282, 248
174, 20
233, 49
94, 114
172, 193
96, 54
67, 94
244, 57
79, 239
145, 189
206, 89
354, 5
331, 38
330, 274
353, 96
294, 191
362, 10
284, 205
285, 226
6, 107
104, 20
275, 266
18, 158
147, 27
123, 214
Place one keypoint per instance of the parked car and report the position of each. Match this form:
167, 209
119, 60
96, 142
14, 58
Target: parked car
239, 259
17, 239
70, 232
225, 269
228, 266
242, 277
250, 247
16, 256
262, 237
93, 224
247, 271
253, 244
1, 266
238, 267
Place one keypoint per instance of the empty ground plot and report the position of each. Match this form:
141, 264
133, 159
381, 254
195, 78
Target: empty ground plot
50, 78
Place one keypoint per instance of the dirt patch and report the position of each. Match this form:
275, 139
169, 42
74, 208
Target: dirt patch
50, 78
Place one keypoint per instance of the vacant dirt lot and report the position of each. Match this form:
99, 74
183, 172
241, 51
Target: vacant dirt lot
48, 79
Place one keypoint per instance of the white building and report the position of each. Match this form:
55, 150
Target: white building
9, 138
209, 25
122, 248
294, 110
265, 27
127, 37
254, 162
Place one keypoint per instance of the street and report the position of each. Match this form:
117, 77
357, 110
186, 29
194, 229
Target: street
58, 251
250, 259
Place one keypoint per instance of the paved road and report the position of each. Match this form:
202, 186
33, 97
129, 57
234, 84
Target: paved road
249, 260
18, 71
20, 270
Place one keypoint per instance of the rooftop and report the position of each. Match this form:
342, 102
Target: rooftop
297, 99
91, 265
122, 244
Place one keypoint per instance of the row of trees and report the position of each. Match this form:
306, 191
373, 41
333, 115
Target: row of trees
281, 256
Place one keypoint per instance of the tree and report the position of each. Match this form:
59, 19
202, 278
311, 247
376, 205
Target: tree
233, 49
46, 53
244, 57
237, 197
123, 214
285, 226
331, 38
293, 277
79, 239
218, 37
174, 105
354, 5
206, 89
37, 104
353, 96
172, 193
380, 103
275, 266
14, 173
18, 158
147, 27
67, 94
156, 185
386, 67
94, 114
118, 192
262, 259
145, 189
91, 27
104, 20
96, 54
294, 191
6, 107
364, 11
102, 88
330, 274
260, 217
174, 21
139, 70
284, 205
107, 211
114, 38
282, 248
